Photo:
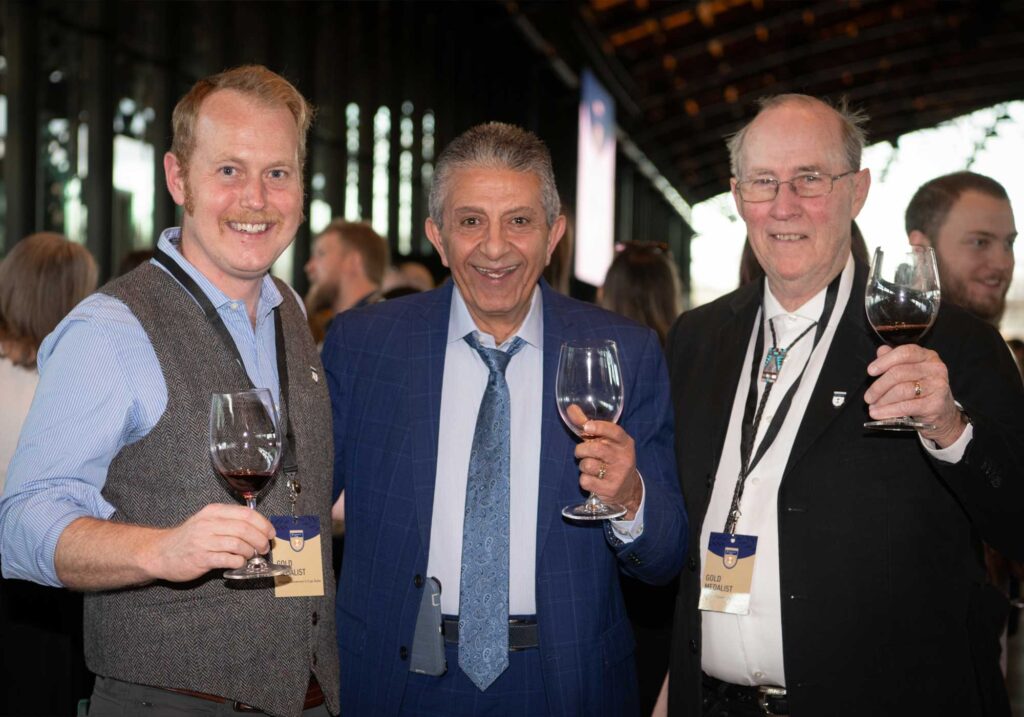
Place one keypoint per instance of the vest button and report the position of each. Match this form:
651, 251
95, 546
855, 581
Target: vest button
315, 618
403, 653
418, 581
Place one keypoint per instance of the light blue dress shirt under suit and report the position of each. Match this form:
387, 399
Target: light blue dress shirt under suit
100, 389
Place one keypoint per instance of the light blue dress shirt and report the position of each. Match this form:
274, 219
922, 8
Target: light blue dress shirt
100, 389
465, 377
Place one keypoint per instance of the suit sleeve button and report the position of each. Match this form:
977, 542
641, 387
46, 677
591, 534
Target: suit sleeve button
693, 646
418, 581
403, 653
691, 564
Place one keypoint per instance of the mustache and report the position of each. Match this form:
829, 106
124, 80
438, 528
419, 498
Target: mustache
255, 218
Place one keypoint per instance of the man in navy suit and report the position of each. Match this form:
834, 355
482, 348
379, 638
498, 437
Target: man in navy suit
408, 378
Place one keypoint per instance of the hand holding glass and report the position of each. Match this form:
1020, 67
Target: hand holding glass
902, 301
245, 447
588, 386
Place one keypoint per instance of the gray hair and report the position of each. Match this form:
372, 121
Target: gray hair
495, 145
851, 128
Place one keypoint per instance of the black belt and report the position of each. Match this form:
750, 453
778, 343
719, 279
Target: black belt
770, 699
522, 633
314, 697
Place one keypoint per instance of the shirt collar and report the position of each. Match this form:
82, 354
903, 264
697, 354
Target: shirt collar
810, 310
170, 244
531, 331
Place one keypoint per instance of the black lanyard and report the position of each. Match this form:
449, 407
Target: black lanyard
288, 462
752, 417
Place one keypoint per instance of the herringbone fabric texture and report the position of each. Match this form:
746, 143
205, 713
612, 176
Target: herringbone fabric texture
483, 587
237, 641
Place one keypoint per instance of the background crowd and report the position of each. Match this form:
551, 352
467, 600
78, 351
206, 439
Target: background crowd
388, 397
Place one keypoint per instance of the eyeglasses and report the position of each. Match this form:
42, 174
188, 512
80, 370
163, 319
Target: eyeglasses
808, 186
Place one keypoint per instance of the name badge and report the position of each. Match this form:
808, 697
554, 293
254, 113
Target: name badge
728, 572
297, 544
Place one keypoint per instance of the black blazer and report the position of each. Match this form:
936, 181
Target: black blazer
882, 577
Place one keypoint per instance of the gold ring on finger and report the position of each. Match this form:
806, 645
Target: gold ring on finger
601, 473
917, 389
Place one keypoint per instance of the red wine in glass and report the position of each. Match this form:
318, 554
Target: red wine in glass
245, 449
246, 482
901, 301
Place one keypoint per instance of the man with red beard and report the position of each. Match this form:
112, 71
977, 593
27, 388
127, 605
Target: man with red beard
111, 490
967, 219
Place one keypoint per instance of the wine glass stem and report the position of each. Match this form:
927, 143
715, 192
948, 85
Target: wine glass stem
593, 502
256, 562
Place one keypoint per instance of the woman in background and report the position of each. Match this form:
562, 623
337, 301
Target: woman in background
41, 280
643, 284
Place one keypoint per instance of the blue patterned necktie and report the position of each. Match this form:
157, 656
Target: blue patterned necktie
483, 587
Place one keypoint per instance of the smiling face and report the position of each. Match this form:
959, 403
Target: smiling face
496, 241
974, 249
242, 190
802, 243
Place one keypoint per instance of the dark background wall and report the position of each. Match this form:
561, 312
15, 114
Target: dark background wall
69, 67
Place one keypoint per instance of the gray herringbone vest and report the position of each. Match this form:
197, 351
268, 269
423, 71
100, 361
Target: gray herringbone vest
213, 635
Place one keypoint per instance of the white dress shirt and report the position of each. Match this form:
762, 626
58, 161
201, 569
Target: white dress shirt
465, 378
747, 649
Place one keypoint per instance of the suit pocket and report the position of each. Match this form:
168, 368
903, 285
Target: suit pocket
617, 643
351, 632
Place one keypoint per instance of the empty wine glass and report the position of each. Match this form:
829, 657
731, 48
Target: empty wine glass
902, 300
245, 447
588, 386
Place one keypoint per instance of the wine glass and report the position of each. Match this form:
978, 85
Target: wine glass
588, 386
902, 301
245, 447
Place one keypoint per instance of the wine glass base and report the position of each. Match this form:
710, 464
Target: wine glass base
904, 423
269, 570
589, 511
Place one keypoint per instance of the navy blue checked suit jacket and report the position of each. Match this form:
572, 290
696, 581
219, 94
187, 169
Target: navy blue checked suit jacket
385, 365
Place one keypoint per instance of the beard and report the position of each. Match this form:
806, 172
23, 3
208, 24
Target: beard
988, 308
321, 296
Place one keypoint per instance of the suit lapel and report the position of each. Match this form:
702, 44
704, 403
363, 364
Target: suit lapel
556, 330
730, 352
844, 369
427, 346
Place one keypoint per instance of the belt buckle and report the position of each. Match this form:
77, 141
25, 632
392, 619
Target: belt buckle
765, 693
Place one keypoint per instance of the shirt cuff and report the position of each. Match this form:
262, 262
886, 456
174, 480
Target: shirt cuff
629, 530
954, 451
33, 526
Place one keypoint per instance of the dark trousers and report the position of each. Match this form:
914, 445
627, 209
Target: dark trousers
518, 691
42, 669
720, 701
650, 609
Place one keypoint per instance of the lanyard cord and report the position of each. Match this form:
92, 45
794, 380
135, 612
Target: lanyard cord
751, 417
288, 461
